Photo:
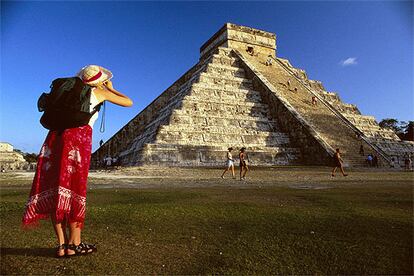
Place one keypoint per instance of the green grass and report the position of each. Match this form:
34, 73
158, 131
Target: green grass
353, 230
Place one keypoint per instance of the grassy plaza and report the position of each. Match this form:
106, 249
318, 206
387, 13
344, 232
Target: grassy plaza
183, 221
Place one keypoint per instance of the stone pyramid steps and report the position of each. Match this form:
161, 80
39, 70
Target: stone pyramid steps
250, 127
385, 139
321, 119
225, 93
217, 103
231, 98
184, 155
215, 109
219, 138
221, 69
226, 81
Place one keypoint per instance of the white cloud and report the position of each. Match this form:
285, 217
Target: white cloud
349, 61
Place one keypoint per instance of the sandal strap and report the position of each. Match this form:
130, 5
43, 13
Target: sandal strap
87, 247
76, 248
62, 246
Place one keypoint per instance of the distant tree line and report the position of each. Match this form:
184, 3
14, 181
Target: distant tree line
404, 130
29, 157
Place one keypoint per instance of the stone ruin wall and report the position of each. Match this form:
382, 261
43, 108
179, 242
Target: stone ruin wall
386, 139
10, 159
314, 149
239, 37
212, 117
120, 140
177, 143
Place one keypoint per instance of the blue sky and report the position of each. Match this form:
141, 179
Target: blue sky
362, 50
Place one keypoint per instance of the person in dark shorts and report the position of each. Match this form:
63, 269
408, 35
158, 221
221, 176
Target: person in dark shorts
243, 163
338, 163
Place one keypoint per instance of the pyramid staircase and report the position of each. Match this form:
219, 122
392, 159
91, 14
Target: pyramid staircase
232, 98
337, 124
385, 139
214, 109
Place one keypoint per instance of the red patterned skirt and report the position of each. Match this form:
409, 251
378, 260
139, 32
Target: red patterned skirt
59, 185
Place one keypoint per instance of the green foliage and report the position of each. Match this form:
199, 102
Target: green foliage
18, 151
408, 130
404, 130
390, 124
30, 157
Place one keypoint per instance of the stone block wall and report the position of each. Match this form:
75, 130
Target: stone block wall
233, 97
314, 151
135, 130
240, 37
215, 108
220, 110
11, 160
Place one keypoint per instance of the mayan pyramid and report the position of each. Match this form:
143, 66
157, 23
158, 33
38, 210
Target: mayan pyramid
241, 94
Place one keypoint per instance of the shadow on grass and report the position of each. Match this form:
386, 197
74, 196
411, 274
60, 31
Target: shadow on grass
43, 252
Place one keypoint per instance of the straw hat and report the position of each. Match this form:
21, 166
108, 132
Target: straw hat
94, 74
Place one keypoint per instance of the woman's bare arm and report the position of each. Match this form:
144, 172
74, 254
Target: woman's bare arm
108, 93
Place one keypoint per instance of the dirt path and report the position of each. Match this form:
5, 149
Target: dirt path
156, 177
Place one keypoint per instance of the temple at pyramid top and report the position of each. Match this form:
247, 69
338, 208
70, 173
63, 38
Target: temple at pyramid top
241, 94
240, 37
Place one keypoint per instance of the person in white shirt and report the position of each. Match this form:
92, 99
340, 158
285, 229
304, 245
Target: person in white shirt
108, 161
229, 163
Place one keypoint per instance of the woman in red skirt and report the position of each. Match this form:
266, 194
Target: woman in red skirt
59, 186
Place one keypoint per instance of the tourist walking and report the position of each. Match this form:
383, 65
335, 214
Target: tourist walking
229, 163
369, 160
407, 162
60, 183
361, 150
243, 163
108, 162
375, 161
338, 163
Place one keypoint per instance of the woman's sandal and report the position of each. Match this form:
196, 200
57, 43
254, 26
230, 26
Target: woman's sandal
81, 249
59, 248
88, 248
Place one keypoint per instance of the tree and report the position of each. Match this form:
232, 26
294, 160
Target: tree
30, 157
390, 124
18, 151
408, 130
403, 129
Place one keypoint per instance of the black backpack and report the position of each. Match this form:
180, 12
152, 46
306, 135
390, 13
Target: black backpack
67, 105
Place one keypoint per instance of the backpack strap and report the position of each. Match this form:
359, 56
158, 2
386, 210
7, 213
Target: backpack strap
97, 108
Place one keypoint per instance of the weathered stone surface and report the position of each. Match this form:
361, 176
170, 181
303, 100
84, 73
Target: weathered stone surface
214, 109
233, 36
10, 159
235, 97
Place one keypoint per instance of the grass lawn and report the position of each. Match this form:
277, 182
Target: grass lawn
224, 230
